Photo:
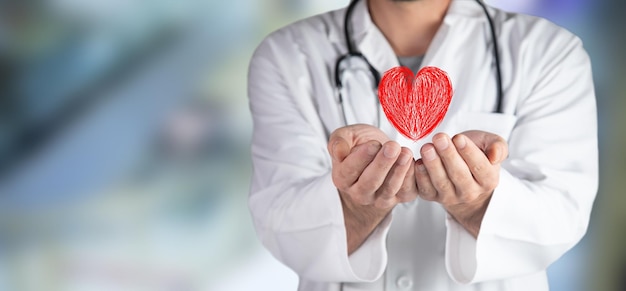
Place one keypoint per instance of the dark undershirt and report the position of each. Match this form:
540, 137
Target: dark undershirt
412, 63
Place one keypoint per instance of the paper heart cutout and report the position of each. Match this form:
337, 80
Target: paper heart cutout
415, 105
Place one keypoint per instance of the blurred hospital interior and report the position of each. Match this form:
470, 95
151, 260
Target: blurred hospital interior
125, 134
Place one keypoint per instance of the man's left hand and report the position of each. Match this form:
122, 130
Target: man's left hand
461, 174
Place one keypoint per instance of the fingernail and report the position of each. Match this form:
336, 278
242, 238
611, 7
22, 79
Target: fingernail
403, 159
460, 142
441, 142
429, 154
390, 151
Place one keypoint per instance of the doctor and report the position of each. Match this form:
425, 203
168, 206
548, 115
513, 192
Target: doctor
503, 188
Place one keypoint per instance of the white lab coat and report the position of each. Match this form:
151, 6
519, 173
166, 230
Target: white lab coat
539, 210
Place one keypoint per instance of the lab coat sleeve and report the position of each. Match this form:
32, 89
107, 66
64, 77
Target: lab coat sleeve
294, 204
542, 205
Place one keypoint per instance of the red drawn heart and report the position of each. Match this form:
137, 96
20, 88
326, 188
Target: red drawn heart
415, 105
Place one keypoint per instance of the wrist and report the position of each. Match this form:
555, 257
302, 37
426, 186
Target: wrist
470, 215
360, 221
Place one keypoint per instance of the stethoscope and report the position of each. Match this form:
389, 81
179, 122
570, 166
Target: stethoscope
356, 62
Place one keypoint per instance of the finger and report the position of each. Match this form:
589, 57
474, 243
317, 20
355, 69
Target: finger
351, 168
493, 145
455, 167
437, 172
479, 165
408, 191
375, 173
425, 188
395, 179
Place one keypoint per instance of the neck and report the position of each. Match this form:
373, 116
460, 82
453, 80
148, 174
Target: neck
409, 26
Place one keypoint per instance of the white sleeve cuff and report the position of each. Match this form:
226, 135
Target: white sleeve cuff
368, 262
460, 252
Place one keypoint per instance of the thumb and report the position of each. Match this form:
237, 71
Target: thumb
338, 149
494, 146
497, 151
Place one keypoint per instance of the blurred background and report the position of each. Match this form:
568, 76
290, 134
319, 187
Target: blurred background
125, 132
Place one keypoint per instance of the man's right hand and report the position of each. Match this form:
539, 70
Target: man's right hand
372, 175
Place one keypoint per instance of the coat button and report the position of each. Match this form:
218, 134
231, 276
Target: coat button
404, 282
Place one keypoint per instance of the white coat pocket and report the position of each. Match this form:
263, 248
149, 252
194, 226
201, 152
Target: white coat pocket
497, 123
